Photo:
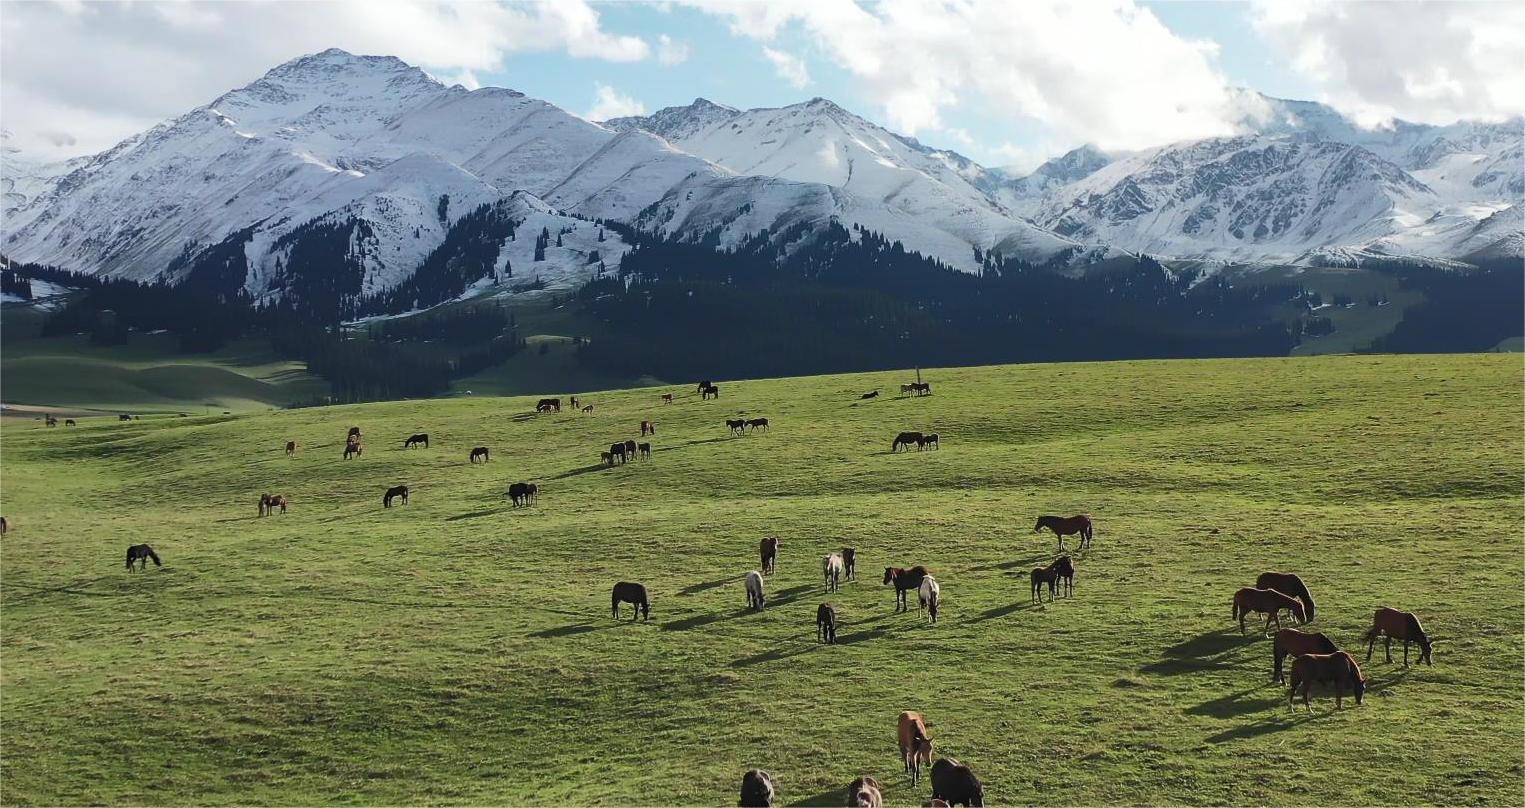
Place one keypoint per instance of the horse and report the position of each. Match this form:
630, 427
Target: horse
922, 388
1067, 526
1291, 642
633, 594
645, 450
617, 450
352, 447
588, 410
667, 398
904, 581
865, 792
1338, 668
825, 624
291, 448
574, 402
1288, 584
710, 392
548, 405
354, 432
767, 549
123, 417
50, 421
758, 423
905, 439
928, 440
69, 422
907, 388
955, 784
519, 494
1043, 576
1266, 601
1393, 624
754, 585
141, 553
1065, 568
630, 449
870, 394
850, 563
831, 570
915, 746
533, 492
737, 425
704, 385
415, 440
648, 428
928, 596
756, 789
605, 457
269, 502
482, 452
392, 493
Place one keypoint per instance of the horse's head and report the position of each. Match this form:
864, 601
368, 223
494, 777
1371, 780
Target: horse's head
889, 574
1038, 525
1298, 611
1426, 645
1359, 687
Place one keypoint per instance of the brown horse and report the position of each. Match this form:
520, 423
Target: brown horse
352, 447
1291, 642
617, 450
575, 405
667, 398
269, 502
1288, 584
865, 792
954, 784
905, 439
1067, 526
393, 493
1065, 568
291, 448
635, 595
768, 550
648, 428
756, 789
630, 449
5, 527
1338, 669
69, 422
870, 394
605, 457
548, 405
825, 624
1393, 624
1044, 576
482, 452
758, 423
588, 410
849, 563
929, 440
1268, 602
915, 746
736, 425
644, 449
904, 580
710, 392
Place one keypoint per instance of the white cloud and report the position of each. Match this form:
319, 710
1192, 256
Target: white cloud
99, 72
1427, 62
789, 67
1108, 72
611, 103
670, 51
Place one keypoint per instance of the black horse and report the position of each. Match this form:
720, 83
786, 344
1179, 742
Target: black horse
617, 451
141, 553
904, 580
482, 452
825, 623
849, 563
634, 594
736, 425
422, 437
393, 493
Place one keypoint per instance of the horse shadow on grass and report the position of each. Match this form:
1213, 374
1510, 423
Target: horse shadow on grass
1235, 705
584, 470
1204, 652
703, 619
773, 655
572, 630
708, 585
686, 444
836, 796
1002, 611
476, 514
1029, 562
1265, 727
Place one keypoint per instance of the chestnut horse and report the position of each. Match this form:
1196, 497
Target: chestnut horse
915, 746
1063, 526
1291, 642
1393, 624
1339, 669
767, 549
1268, 602
904, 580
1288, 584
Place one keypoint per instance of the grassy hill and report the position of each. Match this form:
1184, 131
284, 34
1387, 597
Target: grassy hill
457, 650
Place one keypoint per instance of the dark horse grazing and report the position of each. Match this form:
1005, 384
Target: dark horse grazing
644, 449
904, 580
710, 392
588, 410
1288, 584
870, 394
768, 550
269, 502
291, 448
635, 595
955, 784
825, 623
630, 449
667, 398
393, 493
756, 789
849, 563
69, 422
929, 440
1394, 624
482, 452
123, 417
758, 423
421, 437
617, 450
548, 405
905, 439
519, 494
736, 425
1291, 642
1268, 602
1338, 668
1063, 526
141, 553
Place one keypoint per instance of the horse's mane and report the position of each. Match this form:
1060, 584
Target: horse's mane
1412, 621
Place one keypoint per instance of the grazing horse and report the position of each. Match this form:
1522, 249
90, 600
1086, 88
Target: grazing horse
928, 596
915, 746
588, 410
1268, 602
754, 585
648, 428
519, 494
955, 784
905, 439
123, 417
1338, 668
291, 448
756, 789
645, 450
1291, 642
758, 423
928, 440
269, 502
737, 426
850, 563
392, 493
907, 388
415, 440
869, 394
69, 422
1393, 624
922, 388
831, 570
1041, 577
50, 421
354, 432
617, 450
141, 553
482, 452
630, 449
1063, 526
548, 405
1288, 584
710, 392
865, 792
605, 457
904, 580
667, 398
635, 595
825, 624
767, 549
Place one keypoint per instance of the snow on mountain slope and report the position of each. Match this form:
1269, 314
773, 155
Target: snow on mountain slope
1024, 193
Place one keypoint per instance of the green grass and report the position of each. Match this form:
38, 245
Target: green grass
456, 650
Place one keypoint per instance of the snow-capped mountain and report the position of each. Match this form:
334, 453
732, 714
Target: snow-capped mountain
1023, 193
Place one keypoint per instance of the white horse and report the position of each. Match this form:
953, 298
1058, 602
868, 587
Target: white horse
754, 590
831, 569
928, 596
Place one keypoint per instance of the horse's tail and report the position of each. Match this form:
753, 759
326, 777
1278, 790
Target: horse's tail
1235, 615
129, 558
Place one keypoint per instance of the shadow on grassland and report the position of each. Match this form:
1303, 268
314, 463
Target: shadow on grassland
1204, 652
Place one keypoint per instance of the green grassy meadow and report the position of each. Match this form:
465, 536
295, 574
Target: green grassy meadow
458, 650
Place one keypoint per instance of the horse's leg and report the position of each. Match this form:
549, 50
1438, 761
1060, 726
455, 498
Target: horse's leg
1307, 686
1387, 648
1405, 652
1372, 643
